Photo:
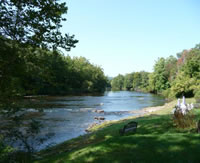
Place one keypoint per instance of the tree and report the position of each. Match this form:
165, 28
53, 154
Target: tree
144, 80
170, 68
192, 64
161, 78
181, 58
183, 85
136, 80
35, 23
128, 81
152, 83
117, 83
187, 79
26, 25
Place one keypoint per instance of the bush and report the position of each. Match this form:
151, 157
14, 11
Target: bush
184, 121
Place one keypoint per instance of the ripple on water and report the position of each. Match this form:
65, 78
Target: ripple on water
76, 113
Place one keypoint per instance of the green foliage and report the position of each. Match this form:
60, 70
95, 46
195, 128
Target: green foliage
167, 93
87, 77
172, 77
25, 25
197, 96
144, 80
170, 68
182, 85
37, 71
138, 81
177, 77
35, 23
117, 83
11, 68
187, 78
192, 64
160, 75
128, 81
152, 82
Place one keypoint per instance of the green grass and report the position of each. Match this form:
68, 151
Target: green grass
156, 140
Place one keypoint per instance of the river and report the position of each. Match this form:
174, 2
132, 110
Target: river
73, 114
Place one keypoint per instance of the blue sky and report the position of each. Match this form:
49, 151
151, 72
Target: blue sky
130, 35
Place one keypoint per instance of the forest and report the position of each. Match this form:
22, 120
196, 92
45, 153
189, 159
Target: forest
171, 77
44, 72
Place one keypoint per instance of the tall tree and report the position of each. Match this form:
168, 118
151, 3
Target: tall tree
170, 68
35, 23
117, 83
136, 80
26, 25
128, 81
161, 79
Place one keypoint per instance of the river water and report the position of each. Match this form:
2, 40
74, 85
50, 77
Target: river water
73, 114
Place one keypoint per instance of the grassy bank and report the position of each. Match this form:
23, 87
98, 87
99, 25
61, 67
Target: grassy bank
157, 139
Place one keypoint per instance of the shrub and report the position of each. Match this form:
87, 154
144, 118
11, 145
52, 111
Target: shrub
184, 121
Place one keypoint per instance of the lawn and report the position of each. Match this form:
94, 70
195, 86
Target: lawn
157, 140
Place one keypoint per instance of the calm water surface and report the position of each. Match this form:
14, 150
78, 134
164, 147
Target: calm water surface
73, 114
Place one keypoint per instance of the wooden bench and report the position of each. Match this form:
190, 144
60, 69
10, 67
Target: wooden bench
131, 126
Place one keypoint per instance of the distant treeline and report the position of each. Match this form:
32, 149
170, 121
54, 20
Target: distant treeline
35, 71
172, 76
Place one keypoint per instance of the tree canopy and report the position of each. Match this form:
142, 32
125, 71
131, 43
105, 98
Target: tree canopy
35, 23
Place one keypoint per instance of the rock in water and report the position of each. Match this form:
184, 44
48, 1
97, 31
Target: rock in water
99, 118
99, 111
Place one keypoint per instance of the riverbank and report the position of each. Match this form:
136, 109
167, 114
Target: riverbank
156, 140
156, 110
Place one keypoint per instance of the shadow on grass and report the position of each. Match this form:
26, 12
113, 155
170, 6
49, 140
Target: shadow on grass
156, 140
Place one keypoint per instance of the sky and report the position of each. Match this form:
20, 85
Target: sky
130, 35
